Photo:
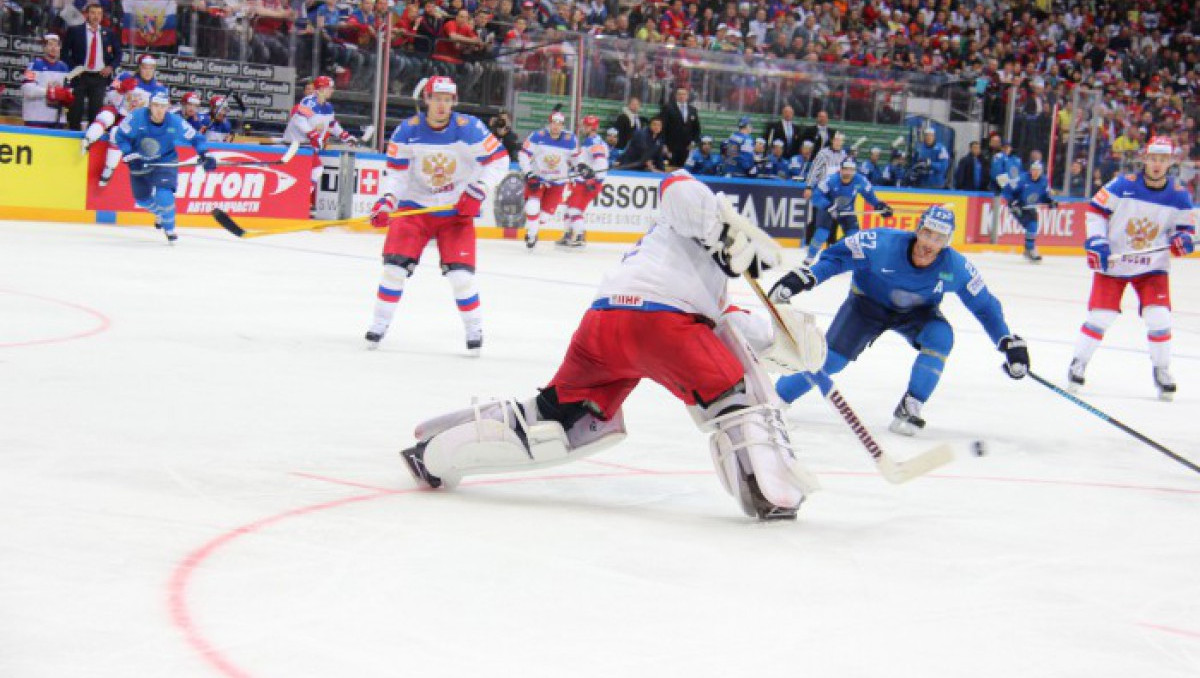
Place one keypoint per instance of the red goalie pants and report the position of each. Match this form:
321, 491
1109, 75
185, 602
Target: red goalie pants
455, 234
615, 349
1153, 289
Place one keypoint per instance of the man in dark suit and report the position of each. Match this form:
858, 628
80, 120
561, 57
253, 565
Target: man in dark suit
786, 130
681, 127
971, 174
820, 134
98, 50
629, 120
646, 149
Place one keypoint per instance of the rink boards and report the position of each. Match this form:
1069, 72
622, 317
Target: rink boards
44, 177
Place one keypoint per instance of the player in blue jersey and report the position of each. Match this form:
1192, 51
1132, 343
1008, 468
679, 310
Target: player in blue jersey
744, 142
704, 161
931, 161
833, 204
1023, 196
872, 167
899, 278
147, 137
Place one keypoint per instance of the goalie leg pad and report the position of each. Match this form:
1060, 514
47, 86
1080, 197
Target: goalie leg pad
756, 462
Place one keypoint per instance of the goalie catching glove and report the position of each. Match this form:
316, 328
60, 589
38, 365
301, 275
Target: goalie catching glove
743, 247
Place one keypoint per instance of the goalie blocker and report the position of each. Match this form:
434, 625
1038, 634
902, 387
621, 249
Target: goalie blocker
691, 348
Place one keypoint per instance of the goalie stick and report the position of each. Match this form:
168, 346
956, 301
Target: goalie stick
893, 471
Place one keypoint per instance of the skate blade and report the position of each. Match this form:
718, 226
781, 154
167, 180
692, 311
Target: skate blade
1166, 396
474, 352
904, 428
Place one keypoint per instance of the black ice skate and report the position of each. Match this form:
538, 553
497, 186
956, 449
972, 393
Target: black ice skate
1032, 255
373, 339
1165, 383
1075, 375
171, 237
907, 419
530, 240
571, 241
758, 506
414, 458
475, 346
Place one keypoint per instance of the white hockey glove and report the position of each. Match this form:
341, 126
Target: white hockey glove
744, 247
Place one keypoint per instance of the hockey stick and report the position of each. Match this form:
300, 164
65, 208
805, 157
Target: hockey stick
195, 162
227, 222
1114, 422
1137, 253
893, 471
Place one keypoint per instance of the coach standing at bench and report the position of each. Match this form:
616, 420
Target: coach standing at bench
98, 50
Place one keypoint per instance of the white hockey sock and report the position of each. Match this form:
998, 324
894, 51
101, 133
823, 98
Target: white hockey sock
533, 209
574, 221
1092, 333
1158, 332
112, 158
391, 288
466, 296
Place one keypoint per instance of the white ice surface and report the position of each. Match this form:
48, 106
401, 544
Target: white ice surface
198, 477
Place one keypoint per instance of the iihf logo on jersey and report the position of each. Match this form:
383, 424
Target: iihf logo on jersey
438, 169
1141, 232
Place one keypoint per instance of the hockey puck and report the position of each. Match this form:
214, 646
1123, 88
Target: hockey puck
978, 448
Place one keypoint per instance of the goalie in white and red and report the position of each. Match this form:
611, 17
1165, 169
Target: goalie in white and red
1135, 224
449, 162
661, 314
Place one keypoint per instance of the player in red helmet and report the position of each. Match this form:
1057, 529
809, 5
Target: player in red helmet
437, 158
189, 110
313, 122
591, 168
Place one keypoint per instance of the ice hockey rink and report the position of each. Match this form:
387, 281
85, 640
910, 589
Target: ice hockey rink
199, 477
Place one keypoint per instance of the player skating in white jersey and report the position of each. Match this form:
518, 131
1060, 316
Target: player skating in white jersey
661, 314
591, 169
436, 158
313, 122
545, 159
1149, 213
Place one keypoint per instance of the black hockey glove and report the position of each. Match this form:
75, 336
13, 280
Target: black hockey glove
584, 171
795, 282
1016, 356
885, 211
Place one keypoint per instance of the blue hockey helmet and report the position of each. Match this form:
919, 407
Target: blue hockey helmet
744, 121
938, 219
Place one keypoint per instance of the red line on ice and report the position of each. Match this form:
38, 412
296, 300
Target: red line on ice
104, 322
177, 587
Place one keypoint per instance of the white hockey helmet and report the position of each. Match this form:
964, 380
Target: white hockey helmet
938, 219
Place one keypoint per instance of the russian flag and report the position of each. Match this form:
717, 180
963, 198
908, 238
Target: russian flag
149, 23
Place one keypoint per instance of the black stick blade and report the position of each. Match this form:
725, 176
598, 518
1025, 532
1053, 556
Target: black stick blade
227, 222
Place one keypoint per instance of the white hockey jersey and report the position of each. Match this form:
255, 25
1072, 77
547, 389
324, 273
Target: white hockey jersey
1133, 217
308, 116
547, 157
40, 75
670, 268
427, 167
593, 152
